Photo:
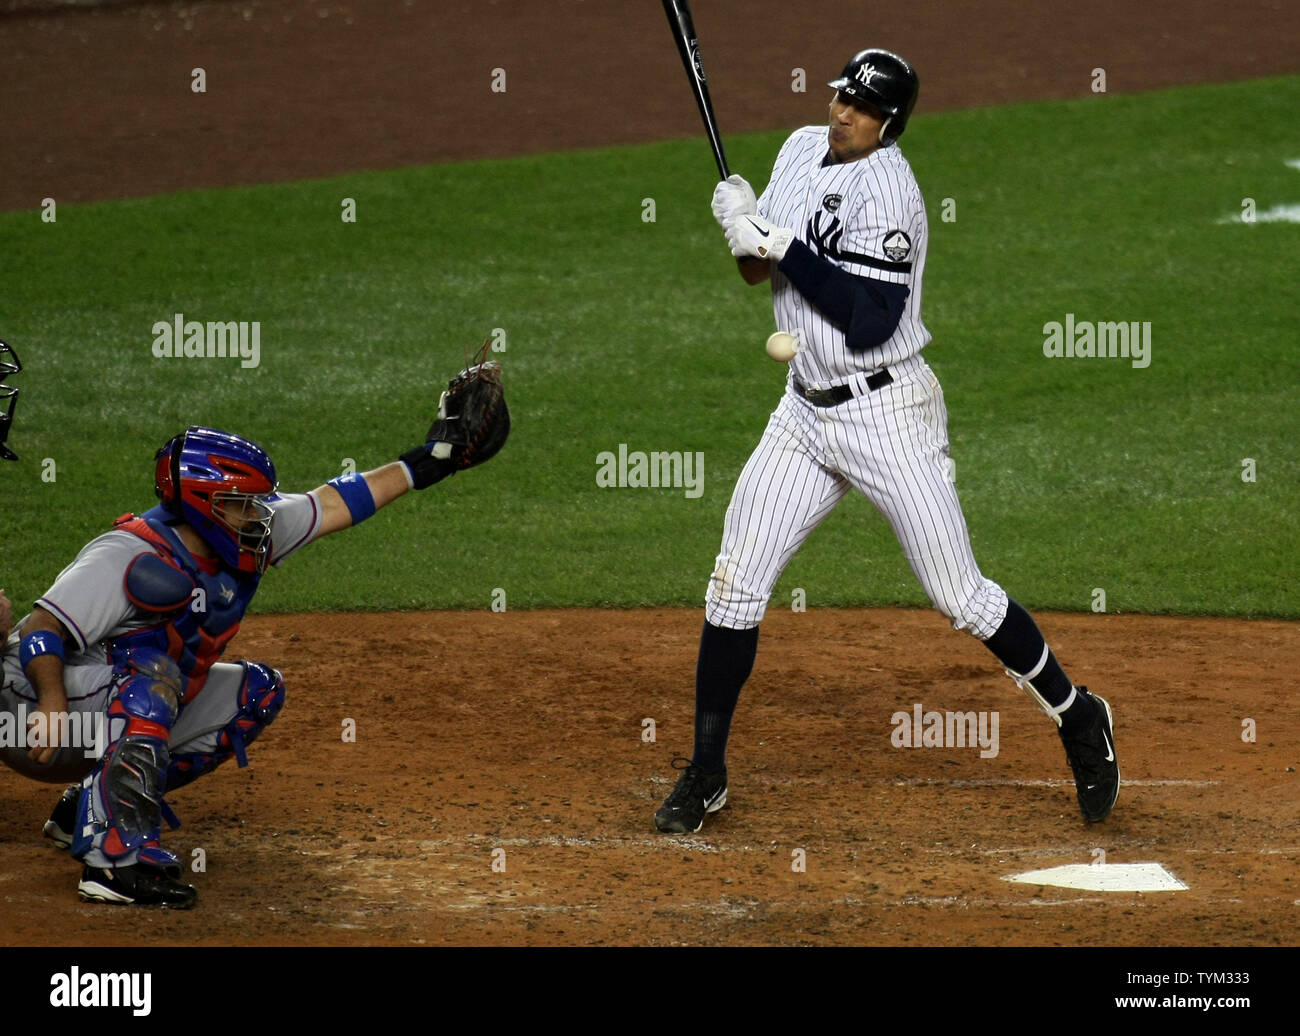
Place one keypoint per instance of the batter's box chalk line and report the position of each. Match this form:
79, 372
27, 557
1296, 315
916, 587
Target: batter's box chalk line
1025, 782
1103, 877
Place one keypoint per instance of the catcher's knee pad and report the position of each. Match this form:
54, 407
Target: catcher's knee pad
260, 699
121, 804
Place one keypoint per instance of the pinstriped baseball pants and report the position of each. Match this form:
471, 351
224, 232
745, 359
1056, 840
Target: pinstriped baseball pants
891, 445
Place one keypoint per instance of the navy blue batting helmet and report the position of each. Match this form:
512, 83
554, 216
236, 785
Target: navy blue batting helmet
883, 79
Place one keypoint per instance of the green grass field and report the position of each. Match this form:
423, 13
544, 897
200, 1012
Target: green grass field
1075, 474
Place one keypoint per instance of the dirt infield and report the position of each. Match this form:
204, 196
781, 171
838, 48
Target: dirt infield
535, 748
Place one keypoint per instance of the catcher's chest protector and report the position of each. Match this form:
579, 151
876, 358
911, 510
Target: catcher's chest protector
193, 632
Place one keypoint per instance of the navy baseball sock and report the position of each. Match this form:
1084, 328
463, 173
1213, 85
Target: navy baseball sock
726, 660
1019, 645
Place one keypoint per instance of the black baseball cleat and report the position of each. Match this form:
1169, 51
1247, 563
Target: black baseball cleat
136, 885
697, 793
1091, 751
58, 829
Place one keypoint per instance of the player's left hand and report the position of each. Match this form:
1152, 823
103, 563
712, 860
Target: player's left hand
472, 425
732, 198
755, 236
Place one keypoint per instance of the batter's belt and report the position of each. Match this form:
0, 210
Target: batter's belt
840, 393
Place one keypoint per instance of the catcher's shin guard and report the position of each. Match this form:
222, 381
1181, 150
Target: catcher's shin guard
261, 696
119, 815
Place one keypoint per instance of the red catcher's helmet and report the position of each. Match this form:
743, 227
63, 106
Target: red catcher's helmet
220, 483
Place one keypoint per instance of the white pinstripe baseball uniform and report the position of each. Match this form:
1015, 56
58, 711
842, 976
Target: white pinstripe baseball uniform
891, 443
841, 231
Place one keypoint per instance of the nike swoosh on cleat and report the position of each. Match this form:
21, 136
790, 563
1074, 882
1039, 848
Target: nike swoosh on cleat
1110, 751
711, 799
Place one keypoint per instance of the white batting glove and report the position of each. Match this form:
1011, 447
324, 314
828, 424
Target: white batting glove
732, 198
755, 236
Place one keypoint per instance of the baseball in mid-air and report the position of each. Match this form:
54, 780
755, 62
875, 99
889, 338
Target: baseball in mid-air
782, 346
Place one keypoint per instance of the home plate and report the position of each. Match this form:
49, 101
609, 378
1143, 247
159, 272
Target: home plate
1104, 877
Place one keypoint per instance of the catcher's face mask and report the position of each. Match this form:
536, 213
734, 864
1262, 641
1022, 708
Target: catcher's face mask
9, 364
248, 517
221, 484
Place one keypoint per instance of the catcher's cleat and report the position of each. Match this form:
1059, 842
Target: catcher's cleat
1091, 751
58, 829
696, 794
137, 885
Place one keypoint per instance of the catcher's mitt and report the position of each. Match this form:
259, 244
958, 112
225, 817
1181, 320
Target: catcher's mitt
471, 427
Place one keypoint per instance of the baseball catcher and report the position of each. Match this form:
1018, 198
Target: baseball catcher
133, 632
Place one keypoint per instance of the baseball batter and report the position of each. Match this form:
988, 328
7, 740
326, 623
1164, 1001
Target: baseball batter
134, 628
841, 232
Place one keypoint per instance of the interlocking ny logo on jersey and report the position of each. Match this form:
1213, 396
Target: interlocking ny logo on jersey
865, 74
825, 231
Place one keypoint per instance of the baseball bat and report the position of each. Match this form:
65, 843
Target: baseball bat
688, 46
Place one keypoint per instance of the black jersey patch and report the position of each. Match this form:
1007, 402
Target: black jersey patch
897, 245
831, 203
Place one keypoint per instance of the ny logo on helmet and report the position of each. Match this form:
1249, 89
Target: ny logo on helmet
865, 73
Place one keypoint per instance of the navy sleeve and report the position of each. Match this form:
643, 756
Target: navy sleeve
865, 309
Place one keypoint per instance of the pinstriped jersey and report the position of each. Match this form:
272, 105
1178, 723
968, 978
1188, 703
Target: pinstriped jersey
868, 218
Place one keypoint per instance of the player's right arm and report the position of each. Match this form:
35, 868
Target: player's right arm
866, 309
41, 653
86, 604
